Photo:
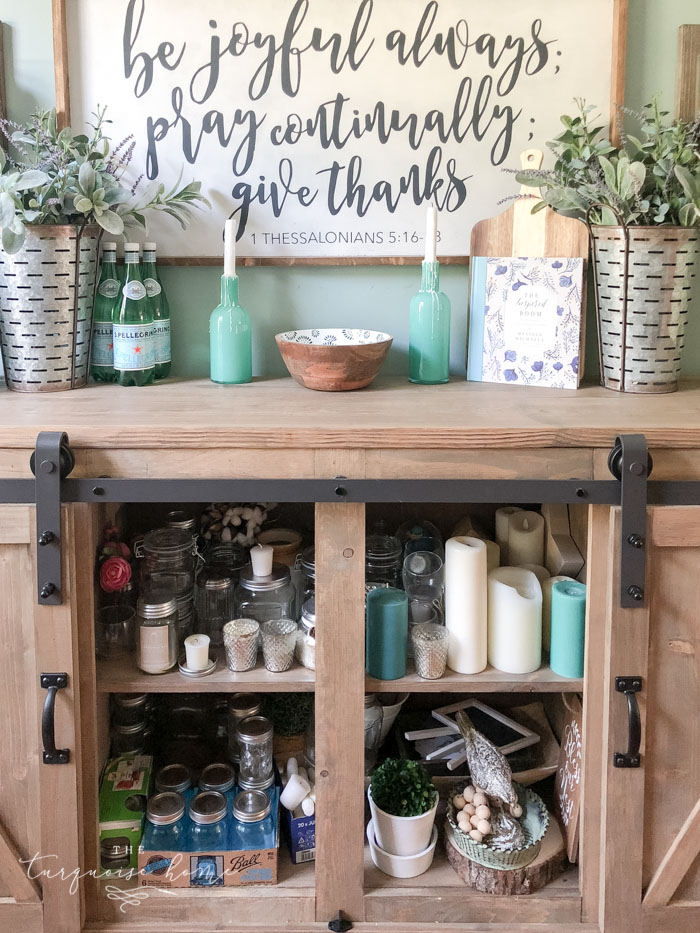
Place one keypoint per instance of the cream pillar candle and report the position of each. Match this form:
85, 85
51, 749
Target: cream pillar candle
515, 620
197, 652
465, 603
539, 571
493, 555
547, 607
502, 523
525, 539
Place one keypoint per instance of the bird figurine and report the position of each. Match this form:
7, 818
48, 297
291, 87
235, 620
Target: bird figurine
489, 769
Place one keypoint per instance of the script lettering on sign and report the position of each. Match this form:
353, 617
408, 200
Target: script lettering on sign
567, 784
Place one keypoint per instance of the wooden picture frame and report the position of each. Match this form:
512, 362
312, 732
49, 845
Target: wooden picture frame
688, 72
62, 86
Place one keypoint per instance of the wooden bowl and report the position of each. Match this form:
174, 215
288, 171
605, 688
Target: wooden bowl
333, 360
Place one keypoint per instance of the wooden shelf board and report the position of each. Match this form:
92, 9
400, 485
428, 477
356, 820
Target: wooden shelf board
543, 680
123, 676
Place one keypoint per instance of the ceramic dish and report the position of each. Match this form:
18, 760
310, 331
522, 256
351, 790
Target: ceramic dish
333, 359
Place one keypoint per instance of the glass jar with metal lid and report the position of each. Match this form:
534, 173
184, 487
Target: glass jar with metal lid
132, 739
115, 853
307, 565
208, 827
306, 642
264, 598
156, 619
227, 554
174, 778
253, 827
213, 601
383, 561
254, 736
240, 706
181, 519
168, 825
168, 560
219, 776
131, 708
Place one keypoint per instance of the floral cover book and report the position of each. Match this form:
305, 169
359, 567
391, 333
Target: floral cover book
525, 325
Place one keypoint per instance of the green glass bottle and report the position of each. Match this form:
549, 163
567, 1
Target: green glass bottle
429, 330
161, 310
133, 328
106, 296
230, 342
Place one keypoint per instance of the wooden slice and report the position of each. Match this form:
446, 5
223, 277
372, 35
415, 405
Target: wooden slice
548, 865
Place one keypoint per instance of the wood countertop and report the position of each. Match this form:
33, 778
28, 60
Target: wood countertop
278, 413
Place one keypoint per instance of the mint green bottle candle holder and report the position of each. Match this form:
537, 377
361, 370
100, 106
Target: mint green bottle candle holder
230, 342
386, 633
429, 330
567, 636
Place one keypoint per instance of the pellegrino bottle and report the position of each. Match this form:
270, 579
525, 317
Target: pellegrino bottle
230, 341
133, 328
101, 353
161, 310
429, 319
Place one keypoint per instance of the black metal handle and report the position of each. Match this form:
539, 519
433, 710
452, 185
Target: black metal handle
52, 755
630, 686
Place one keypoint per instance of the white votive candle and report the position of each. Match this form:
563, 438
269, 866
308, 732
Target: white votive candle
502, 519
525, 539
547, 606
297, 788
261, 559
197, 652
308, 806
465, 603
515, 620
230, 248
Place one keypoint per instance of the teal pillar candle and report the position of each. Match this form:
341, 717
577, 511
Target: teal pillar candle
429, 330
386, 633
230, 342
568, 628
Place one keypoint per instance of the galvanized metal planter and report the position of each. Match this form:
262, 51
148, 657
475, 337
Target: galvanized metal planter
643, 282
47, 292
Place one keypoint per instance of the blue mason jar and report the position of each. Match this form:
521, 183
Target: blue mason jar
219, 777
166, 829
208, 822
252, 827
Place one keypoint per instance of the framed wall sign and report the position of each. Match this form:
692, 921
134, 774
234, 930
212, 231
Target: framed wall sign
326, 128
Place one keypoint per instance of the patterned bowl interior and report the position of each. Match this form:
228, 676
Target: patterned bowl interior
334, 337
534, 821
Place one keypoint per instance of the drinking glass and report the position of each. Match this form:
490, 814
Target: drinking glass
115, 629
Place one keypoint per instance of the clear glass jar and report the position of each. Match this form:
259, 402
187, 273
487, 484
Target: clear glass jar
114, 631
254, 737
264, 598
219, 777
131, 708
208, 822
168, 560
175, 778
420, 536
240, 707
134, 739
213, 602
310, 743
383, 561
233, 557
156, 620
183, 520
115, 853
374, 715
307, 565
306, 641
253, 826
168, 824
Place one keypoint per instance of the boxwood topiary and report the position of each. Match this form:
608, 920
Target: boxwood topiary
402, 788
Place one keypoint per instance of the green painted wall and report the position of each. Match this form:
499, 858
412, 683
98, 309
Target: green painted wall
279, 299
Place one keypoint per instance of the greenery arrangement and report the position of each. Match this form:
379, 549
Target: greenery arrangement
651, 178
289, 713
402, 788
49, 176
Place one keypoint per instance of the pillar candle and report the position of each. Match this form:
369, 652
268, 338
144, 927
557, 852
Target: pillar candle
230, 248
493, 555
386, 633
502, 520
525, 539
465, 603
568, 628
515, 620
547, 607
540, 572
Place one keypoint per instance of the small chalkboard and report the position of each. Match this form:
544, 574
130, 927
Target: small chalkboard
567, 783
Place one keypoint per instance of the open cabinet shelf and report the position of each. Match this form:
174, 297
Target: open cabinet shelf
490, 680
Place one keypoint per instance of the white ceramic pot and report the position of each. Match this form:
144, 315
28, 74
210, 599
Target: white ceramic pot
402, 835
401, 866
389, 714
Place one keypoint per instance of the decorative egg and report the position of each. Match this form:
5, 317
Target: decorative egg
474, 821
516, 810
476, 835
470, 809
480, 800
458, 802
483, 812
468, 794
484, 827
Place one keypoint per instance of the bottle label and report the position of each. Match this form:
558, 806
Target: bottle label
162, 341
152, 287
134, 346
102, 345
149, 255
109, 288
135, 290
154, 643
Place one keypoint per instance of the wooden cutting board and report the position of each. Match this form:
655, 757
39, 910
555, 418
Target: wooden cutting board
518, 232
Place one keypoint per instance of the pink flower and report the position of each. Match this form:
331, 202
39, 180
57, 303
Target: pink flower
115, 573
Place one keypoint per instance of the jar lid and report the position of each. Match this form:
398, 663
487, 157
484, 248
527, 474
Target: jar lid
178, 518
257, 783
174, 778
254, 729
308, 562
383, 549
227, 554
131, 728
242, 705
215, 578
130, 700
168, 542
115, 848
370, 700
219, 777
158, 604
279, 577
166, 808
251, 806
308, 617
208, 807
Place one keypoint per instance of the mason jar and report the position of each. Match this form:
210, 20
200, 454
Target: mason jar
174, 778
133, 739
240, 706
183, 520
115, 853
383, 561
306, 640
208, 827
169, 560
166, 814
156, 620
130, 708
253, 828
219, 777
213, 602
307, 565
265, 598
254, 736
227, 554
